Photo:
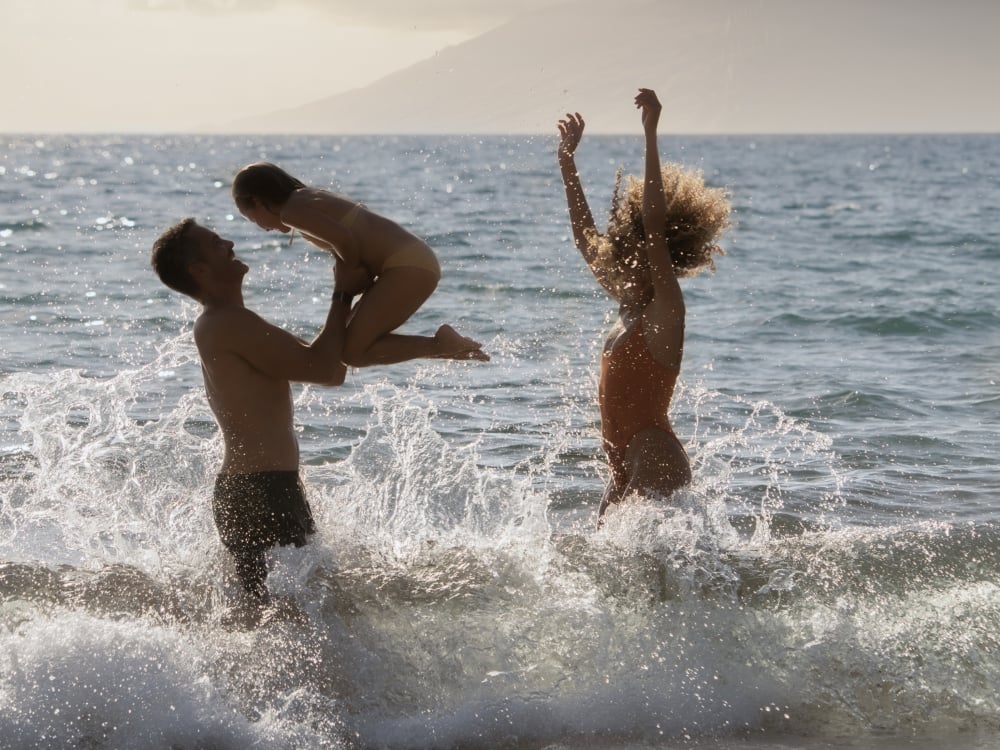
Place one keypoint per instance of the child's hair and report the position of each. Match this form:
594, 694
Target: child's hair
173, 253
697, 216
265, 183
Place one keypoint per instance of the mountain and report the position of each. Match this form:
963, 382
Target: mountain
719, 66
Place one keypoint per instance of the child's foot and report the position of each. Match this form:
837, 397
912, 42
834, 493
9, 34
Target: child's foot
454, 345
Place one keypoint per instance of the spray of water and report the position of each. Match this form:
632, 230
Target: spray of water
443, 603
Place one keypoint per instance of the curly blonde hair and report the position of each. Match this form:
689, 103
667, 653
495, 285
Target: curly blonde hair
697, 216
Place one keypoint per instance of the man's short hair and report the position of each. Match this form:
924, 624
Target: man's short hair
173, 253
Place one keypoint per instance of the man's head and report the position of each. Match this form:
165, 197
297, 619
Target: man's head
173, 254
196, 261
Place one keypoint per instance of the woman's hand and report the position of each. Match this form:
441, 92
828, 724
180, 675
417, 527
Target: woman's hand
571, 131
646, 101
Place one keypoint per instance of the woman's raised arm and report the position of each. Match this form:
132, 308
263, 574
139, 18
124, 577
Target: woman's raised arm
580, 216
654, 209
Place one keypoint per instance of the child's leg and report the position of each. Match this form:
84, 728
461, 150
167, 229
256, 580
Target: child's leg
395, 296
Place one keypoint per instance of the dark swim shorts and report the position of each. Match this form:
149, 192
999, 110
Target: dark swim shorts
254, 512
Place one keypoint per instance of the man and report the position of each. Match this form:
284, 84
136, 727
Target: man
247, 364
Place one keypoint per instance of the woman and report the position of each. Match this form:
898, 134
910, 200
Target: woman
660, 229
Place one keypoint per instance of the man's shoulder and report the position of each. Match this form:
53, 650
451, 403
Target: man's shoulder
222, 321
224, 315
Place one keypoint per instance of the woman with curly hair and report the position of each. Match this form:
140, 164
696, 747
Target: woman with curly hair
660, 229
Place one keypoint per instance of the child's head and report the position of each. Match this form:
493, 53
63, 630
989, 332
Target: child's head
173, 254
697, 215
264, 184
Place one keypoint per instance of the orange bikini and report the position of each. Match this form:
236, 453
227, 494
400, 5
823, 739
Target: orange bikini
634, 394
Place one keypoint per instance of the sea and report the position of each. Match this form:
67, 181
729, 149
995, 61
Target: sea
831, 579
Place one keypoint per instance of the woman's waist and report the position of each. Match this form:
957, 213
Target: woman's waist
617, 434
627, 416
624, 392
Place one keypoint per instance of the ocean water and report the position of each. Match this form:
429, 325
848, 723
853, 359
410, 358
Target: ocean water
830, 580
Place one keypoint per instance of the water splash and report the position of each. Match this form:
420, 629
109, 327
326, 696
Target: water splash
758, 458
410, 487
102, 483
442, 605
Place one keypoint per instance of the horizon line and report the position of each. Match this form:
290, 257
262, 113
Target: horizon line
481, 134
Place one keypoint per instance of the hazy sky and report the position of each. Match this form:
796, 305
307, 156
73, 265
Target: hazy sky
134, 65
775, 65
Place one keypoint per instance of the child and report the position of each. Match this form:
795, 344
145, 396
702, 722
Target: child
661, 228
393, 270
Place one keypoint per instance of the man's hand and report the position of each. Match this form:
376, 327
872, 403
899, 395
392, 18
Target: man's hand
351, 280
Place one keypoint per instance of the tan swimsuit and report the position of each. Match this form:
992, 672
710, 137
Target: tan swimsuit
415, 254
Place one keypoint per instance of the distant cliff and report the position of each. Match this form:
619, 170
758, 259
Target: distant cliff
759, 66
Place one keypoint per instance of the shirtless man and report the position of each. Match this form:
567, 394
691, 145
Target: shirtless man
247, 364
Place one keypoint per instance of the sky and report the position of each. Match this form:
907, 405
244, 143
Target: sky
175, 65
155, 66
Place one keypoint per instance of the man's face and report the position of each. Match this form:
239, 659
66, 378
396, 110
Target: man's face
217, 255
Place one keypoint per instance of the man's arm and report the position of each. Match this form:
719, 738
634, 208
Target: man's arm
274, 351
328, 346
